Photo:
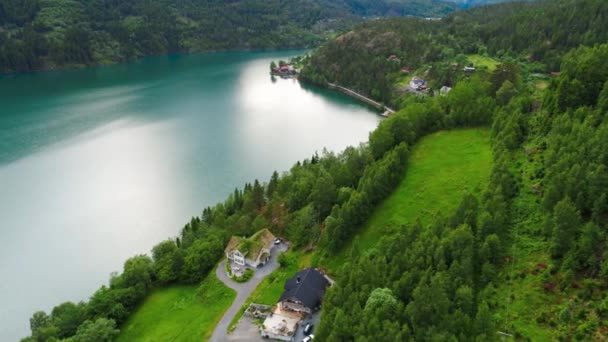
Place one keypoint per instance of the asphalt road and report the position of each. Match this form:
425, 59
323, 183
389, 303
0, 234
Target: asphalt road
243, 290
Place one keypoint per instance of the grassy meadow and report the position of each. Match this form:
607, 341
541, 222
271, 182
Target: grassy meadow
483, 61
179, 313
442, 168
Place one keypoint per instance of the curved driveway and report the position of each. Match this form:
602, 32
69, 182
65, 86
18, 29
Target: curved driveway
243, 290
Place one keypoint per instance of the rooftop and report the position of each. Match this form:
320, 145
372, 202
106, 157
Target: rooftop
281, 322
308, 286
252, 245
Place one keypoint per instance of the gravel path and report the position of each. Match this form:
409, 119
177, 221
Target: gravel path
243, 290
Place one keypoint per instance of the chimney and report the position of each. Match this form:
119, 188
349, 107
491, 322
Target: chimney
298, 279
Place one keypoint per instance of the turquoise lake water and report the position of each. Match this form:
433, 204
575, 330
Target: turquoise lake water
100, 164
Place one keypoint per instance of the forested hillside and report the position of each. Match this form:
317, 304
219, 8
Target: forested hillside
41, 34
537, 33
526, 257
547, 194
425, 8
523, 258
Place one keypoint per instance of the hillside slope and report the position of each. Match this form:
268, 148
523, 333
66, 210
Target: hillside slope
537, 33
42, 34
525, 258
443, 168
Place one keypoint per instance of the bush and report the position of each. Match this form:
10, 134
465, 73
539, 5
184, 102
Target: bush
286, 260
245, 277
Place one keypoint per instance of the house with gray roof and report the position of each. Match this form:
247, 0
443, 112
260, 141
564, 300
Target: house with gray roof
304, 292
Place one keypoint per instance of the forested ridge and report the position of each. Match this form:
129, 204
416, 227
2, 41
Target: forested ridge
43, 34
537, 33
442, 282
446, 280
461, 278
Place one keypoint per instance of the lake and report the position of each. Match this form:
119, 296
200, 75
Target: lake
100, 164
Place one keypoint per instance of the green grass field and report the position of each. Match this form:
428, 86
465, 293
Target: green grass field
482, 61
404, 79
179, 313
443, 167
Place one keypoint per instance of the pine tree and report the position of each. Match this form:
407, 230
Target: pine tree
272, 185
566, 223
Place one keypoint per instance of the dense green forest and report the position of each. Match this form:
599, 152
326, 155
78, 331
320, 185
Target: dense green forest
438, 282
42, 34
426, 8
547, 192
443, 281
537, 33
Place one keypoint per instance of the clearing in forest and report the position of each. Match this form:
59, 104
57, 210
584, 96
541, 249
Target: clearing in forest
483, 61
179, 313
442, 168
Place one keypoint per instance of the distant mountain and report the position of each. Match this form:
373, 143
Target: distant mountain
531, 30
397, 7
42, 34
473, 3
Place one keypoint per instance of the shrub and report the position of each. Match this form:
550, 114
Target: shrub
245, 277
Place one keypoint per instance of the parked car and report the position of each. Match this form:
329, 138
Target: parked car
308, 338
277, 241
308, 328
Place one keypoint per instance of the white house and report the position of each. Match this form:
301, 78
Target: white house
253, 252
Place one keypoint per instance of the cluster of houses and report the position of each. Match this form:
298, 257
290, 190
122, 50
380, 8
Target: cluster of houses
302, 295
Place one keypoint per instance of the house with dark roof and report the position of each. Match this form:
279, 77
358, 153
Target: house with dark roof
254, 251
304, 292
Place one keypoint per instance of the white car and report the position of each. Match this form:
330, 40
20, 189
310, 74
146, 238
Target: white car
277, 241
308, 338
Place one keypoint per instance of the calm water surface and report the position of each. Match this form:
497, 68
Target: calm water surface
98, 165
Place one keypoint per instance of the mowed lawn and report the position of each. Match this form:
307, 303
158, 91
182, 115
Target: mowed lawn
443, 167
179, 313
483, 61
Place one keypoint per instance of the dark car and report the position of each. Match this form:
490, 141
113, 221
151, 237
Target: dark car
308, 328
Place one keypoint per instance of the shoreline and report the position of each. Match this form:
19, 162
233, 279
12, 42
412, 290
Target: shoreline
381, 108
76, 66
385, 111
